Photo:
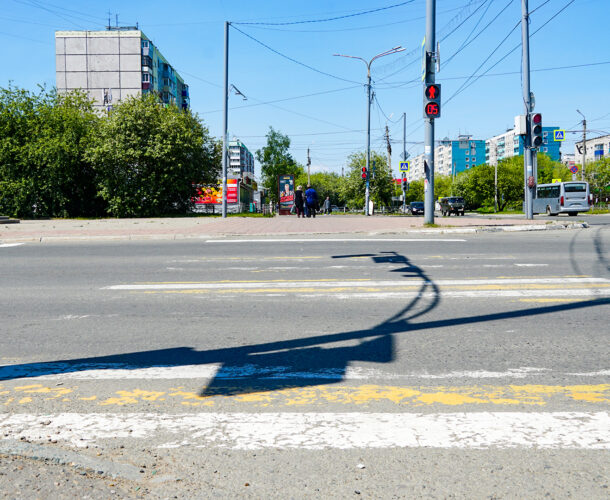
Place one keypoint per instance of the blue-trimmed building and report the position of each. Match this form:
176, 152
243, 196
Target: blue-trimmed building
509, 144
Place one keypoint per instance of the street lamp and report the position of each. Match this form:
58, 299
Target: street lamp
584, 144
368, 115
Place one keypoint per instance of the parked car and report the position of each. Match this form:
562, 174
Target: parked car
416, 208
452, 204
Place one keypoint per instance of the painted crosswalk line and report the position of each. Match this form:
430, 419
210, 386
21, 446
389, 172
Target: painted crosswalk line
284, 430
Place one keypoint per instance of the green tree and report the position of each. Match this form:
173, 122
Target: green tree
381, 187
598, 176
549, 169
43, 170
148, 157
326, 184
275, 159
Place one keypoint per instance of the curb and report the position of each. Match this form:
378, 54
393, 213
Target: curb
181, 236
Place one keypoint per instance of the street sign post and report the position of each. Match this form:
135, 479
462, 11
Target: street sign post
404, 166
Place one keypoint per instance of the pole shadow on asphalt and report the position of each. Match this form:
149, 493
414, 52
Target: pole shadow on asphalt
300, 362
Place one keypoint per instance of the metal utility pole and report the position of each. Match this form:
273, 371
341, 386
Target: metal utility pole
584, 145
393, 50
496, 187
389, 146
528, 153
404, 137
225, 123
430, 61
308, 166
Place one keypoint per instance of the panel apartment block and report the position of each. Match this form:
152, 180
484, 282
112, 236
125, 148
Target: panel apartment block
113, 64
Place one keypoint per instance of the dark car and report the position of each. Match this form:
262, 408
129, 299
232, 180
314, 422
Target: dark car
416, 207
452, 204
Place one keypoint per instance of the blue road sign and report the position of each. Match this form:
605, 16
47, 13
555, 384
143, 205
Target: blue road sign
404, 166
559, 135
573, 169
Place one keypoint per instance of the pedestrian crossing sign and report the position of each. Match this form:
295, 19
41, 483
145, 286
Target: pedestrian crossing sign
559, 135
404, 166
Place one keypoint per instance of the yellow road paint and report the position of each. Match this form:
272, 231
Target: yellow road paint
361, 288
363, 395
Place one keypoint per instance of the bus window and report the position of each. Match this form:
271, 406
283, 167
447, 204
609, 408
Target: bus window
575, 187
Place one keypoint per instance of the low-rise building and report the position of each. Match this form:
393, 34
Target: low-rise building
596, 149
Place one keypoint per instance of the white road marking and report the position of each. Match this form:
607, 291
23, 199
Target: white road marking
337, 240
7, 245
351, 283
571, 293
123, 371
531, 265
314, 431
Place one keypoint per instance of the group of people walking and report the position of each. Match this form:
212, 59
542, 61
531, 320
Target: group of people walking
306, 203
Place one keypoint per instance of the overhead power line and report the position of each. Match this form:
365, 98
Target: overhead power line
336, 18
291, 58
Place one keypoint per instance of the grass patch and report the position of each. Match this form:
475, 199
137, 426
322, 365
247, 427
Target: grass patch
431, 224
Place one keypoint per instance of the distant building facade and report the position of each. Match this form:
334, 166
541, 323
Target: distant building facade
597, 148
451, 157
510, 144
113, 64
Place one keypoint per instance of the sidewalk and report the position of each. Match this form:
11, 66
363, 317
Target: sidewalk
214, 227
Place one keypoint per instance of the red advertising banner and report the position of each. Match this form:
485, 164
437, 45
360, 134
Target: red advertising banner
212, 195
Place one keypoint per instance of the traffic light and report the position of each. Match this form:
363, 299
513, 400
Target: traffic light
364, 172
404, 184
432, 100
535, 130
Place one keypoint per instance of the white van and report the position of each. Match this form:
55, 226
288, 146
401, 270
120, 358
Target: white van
562, 197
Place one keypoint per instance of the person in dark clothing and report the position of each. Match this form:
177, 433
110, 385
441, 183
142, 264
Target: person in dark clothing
311, 201
299, 201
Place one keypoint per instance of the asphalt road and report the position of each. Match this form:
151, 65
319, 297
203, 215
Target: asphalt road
390, 367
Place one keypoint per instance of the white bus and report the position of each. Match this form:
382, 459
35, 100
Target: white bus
562, 197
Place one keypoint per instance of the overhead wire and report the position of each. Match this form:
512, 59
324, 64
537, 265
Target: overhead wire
336, 18
292, 59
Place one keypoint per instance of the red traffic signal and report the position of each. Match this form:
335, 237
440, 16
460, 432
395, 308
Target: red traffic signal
364, 172
433, 92
536, 130
432, 100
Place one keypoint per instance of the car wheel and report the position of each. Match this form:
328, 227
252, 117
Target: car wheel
573, 214
462, 214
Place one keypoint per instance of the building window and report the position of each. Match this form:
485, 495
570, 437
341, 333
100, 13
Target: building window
144, 44
145, 77
544, 150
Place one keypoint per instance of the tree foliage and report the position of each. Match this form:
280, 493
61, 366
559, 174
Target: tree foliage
381, 186
148, 157
43, 170
275, 159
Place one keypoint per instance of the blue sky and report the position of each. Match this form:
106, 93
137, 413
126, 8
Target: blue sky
323, 107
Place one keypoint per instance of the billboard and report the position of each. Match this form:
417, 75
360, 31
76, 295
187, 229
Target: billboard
212, 195
286, 192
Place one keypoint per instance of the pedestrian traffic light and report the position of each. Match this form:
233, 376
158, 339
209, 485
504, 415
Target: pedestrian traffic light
432, 100
364, 172
535, 130
404, 184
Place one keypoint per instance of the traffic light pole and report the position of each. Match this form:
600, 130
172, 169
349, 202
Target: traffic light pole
429, 122
368, 141
528, 152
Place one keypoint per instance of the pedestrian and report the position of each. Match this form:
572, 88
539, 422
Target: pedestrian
311, 201
327, 205
298, 201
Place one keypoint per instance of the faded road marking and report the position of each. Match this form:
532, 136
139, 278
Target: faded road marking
313, 431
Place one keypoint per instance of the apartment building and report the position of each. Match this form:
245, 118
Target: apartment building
451, 157
510, 144
597, 148
113, 64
